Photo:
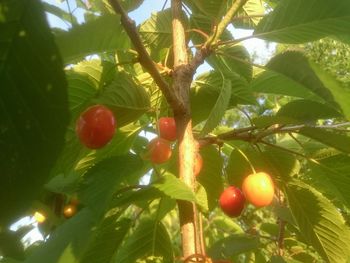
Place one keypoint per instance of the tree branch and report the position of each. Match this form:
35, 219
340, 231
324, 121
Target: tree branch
254, 134
144, 58
182, 79
206, 48
226, 20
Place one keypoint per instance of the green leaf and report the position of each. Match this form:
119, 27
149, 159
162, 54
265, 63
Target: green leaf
83, 84
299, 21
156, 32
251, 11
232, 245
230, 59
319, 222
126, 98
210, 176
211, 8
339, 141
218, 111
88, 39
63, 184
33, 104
107, 239
210, 89
332, 176
76, 158
175, 188
68, 241
305, 111
55, 10
150, 238
277, 83
102, 180
230, 226
340, 92
295, 66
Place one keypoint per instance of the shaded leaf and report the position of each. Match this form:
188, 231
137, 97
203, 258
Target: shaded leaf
102, 180
232, 59
305, 111
125, 97
340, 92
33, 104
339, 141
68, 242
107, 239
233, 245
219, 108
150, 238
319, 221
210, 176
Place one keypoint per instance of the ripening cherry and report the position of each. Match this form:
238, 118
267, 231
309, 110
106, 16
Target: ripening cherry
198, 164
69, 210
95, 126
167, 128
159, 150
232, 201
258, 189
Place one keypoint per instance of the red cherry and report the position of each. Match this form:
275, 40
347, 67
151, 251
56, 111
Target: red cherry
232, 201
95, 126
167, 128
198, 164
159, 150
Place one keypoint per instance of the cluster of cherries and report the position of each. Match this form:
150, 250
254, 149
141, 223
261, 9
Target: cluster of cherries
257, 189
96, 127
159, 149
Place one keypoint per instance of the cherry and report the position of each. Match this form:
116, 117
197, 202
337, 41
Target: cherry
95, 126
259, 189
198, 164
159, 150
167, 128
69, 210
232, 201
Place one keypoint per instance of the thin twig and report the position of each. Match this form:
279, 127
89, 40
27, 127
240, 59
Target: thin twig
225, 21
202, 33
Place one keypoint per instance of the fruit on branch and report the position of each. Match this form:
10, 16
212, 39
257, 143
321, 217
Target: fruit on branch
232, 201
69, 211
258, 189
198, 164
95, 127
167, 128
159, 150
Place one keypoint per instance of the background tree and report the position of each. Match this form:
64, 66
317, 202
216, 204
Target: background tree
286, 121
